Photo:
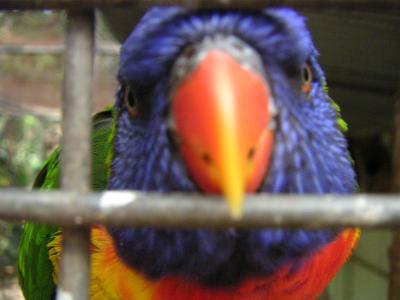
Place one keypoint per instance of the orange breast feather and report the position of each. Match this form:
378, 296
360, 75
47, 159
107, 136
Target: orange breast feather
112, 279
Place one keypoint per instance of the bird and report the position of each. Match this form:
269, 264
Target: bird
209, 101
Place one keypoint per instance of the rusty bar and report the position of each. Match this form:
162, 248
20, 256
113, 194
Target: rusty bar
75, 157
394, 250
371, 5
129, 208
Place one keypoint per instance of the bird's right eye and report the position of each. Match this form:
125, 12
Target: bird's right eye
131, 102
306, 78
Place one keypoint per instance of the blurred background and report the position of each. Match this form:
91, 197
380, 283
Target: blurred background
359, 52
31, 71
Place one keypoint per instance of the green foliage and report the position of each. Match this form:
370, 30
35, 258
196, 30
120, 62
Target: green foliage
39, 28
23, 145
27, 23
25, 141
45, 67
9, 234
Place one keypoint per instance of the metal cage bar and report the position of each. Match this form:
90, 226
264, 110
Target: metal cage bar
104, 50
75, 157
372, 5
76, 208
127, 208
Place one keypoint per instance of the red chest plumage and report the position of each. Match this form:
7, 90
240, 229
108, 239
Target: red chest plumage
111, 279
305, 283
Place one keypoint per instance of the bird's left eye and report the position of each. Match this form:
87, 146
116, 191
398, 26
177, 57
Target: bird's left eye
306, 78
131, 102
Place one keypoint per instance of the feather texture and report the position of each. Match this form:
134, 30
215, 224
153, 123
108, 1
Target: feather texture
112, 279
309, 156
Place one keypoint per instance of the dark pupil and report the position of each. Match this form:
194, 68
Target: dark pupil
131, 98
306, 74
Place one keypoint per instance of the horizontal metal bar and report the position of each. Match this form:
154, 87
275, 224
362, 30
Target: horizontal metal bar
130, 208
107, 49
250, 4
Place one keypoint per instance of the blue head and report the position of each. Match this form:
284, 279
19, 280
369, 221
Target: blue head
305, 149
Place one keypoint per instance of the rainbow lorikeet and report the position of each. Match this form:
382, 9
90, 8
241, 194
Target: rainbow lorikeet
210, 101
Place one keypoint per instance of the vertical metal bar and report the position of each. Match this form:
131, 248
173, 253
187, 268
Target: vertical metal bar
394, 251
75, 156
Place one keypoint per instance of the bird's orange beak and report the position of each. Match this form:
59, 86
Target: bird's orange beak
222, 113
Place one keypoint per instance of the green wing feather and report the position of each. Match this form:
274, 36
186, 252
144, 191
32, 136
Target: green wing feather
341, 123
34, 267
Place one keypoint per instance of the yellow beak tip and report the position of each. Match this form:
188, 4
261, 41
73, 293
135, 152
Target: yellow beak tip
235, 209
235, 214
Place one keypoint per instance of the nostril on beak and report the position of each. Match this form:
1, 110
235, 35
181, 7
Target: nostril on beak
206, 158
251, 153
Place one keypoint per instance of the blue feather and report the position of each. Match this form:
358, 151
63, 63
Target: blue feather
310, 153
